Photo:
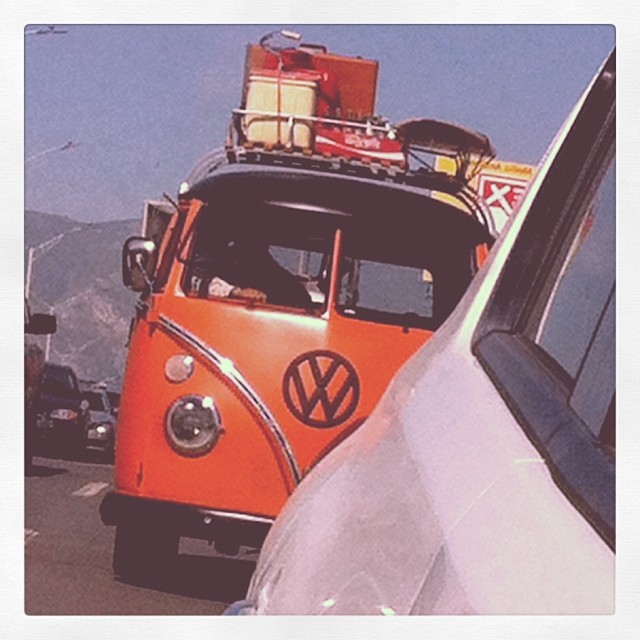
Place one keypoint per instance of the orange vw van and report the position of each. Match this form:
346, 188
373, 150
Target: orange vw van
279, 295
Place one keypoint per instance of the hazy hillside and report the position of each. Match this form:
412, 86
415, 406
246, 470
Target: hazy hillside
79, 276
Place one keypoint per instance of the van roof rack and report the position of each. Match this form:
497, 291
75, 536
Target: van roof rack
421, 141
423, 178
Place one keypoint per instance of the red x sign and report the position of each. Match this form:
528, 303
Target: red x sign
501, 195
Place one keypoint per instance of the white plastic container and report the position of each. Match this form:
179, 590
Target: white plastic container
285, 94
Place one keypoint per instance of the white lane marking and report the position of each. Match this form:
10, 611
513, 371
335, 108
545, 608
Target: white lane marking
90, 489
29, 535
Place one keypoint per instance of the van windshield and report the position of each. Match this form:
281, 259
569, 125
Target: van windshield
407, 282
405, 260
269, 257
394, 293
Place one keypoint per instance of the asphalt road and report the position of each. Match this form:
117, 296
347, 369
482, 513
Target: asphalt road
68, 554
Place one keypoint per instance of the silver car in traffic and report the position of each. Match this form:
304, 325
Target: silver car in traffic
484, 481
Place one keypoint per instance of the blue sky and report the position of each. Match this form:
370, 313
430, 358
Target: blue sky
144, 103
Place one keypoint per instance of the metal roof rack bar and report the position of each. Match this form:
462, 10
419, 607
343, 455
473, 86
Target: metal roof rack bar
427, 180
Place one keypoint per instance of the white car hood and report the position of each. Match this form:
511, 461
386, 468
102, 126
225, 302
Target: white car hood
439, 503
395, 520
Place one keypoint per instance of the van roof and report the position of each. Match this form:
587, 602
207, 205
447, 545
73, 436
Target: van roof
376, 205
424, 181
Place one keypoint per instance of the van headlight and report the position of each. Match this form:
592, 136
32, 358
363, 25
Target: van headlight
193, 425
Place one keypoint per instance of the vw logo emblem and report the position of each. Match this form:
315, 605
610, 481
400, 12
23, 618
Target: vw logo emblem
321, 389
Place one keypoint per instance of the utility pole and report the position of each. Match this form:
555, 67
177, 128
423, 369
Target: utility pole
35, 252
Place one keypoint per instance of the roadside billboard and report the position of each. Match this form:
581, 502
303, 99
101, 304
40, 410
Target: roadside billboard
500, 184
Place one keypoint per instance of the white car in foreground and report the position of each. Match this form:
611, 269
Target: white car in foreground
484, 482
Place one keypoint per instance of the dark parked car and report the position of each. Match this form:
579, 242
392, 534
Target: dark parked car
101, 427
34, 324
62, 411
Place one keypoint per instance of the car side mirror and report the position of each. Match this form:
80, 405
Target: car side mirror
139, 257
41, 324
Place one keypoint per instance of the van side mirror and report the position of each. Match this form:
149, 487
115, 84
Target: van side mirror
139, 258
41, 324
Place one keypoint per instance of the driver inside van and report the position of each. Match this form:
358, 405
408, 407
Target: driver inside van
245, 269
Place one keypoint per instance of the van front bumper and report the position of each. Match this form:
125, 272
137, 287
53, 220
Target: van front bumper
187, 520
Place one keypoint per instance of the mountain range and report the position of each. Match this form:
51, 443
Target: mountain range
76, 274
